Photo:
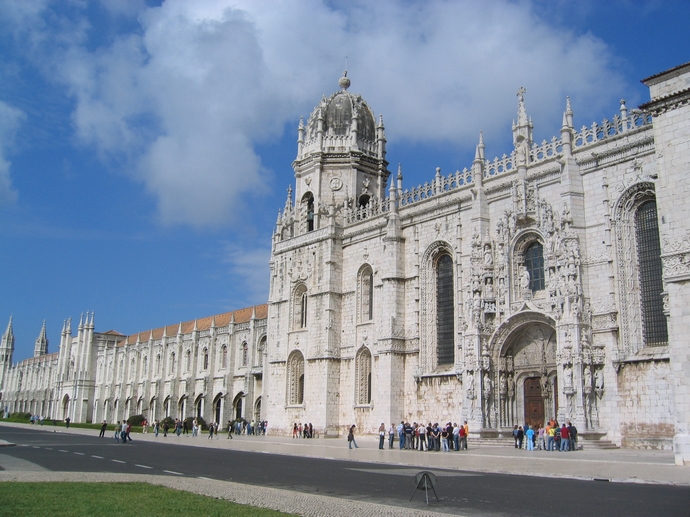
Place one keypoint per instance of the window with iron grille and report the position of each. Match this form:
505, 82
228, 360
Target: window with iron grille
534, 262
444, 311
654, 329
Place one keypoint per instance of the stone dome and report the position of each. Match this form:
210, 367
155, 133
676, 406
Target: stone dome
337, 113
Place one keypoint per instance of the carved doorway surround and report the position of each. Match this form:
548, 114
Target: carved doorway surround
524, 366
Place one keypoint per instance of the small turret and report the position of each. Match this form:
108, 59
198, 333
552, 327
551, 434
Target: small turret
41, 345
6, 352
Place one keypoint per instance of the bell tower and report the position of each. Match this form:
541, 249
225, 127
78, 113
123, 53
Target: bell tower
341, 157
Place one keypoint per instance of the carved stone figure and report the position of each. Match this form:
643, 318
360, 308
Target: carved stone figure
568, 376
587, 377
524, 279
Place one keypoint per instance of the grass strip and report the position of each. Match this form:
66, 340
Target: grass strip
114, 499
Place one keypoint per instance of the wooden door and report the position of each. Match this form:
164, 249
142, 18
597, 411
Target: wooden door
534, 403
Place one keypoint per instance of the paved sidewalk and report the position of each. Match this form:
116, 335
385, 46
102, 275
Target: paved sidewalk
618, 465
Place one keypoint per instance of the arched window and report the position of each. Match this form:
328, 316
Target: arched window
260, 352
534, 263
366, 294
300, 307
363, 377
654, 325
640, 282
172, 363
224, 356
445, 323
295, 378
245, 354
363, 200
205, 358
308, 205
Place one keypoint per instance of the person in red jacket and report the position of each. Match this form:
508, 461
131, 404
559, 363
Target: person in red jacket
565, 438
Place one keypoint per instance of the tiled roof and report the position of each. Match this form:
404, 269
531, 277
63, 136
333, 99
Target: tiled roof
221, 320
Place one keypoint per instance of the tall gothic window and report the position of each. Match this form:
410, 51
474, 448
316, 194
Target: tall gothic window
444, 310
260, 352
245, 354
158, 364
308, 204
224, 356
654, 328
534, 262
300, 307
205, 358
172, 363
145, 366
295, 378
366, 294
363, 377
187, 361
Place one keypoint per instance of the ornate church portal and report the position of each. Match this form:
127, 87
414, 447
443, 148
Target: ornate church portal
526, 384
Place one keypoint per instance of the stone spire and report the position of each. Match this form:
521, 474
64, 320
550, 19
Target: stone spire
522, 134
7, 342
41, 346
6, 351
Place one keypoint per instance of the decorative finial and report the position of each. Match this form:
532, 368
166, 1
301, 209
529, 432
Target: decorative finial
344, 82
521, 94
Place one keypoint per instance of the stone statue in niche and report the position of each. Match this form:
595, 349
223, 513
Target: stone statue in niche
587, 378
503, 384
568, 376
488, 257
599, 381
524, 279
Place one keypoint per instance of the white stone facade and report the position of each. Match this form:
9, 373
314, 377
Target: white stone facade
552, 282
520, 289
211, 367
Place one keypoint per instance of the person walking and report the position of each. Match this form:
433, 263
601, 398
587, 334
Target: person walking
117, 432
211, 428
401, 434
156, 427
351, 438
104, 426
145, 426
230, 429
382, 435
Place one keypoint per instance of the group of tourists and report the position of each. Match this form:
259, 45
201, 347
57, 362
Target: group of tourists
550, 438
430, 437
302, 430
414, 436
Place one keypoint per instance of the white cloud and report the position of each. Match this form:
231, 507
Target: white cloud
10, 118
249, 270
186, 99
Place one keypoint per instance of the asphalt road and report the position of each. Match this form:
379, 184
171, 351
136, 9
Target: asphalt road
466, 493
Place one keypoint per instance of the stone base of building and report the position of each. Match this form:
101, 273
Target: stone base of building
681, 449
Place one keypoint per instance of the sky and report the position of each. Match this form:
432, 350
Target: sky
146, 147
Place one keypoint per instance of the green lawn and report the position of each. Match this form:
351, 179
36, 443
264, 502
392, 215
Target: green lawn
114, 499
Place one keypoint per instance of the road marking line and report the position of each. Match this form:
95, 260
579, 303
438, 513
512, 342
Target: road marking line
62, 450
173, 472
117, 461
207, 479
36, 447
143, 466
99, 457
79, 453
49, 448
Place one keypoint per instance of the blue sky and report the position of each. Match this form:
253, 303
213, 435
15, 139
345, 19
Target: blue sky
145, 148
